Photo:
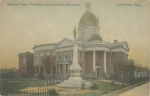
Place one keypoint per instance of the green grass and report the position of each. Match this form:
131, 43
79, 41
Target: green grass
104, 88
14, 86
108, 86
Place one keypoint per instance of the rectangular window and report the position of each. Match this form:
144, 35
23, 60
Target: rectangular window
113, 56
80, 54
66, 68
61, 69
36, 54
59, 56
47, 60
41, 53
54, 58
72, 54
48, 70
54, 70
66, 56
63, 55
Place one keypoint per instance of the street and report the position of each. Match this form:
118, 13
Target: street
142, 90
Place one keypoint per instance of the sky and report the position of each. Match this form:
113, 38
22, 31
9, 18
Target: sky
24, 23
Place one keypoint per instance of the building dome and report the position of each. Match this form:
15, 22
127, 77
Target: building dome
88, 18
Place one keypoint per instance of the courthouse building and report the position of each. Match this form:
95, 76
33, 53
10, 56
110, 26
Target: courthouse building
97, 58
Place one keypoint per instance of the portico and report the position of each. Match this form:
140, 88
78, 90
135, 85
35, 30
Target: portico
96, 61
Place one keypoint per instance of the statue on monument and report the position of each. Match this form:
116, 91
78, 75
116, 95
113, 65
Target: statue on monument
74, 32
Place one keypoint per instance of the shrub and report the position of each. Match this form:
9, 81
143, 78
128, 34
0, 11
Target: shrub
112, 83
83, 86
9, 75
53, 92
40, 76
94, 86
24, 76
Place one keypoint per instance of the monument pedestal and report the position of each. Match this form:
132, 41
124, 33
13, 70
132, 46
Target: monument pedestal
75, 83
75, 79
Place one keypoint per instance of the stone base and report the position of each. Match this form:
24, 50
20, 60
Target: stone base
75, 83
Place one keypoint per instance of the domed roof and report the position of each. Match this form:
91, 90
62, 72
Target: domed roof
88, 18
95, 37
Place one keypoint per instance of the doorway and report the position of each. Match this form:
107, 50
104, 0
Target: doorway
97, 71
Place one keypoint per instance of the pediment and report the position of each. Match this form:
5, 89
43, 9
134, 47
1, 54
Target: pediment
65, 43
125, 46
122, 44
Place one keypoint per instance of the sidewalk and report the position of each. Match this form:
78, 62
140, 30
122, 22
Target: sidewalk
142, 90
129, 88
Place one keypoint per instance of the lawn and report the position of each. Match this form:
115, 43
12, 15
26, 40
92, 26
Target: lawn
32, 84
103, 88
15, 85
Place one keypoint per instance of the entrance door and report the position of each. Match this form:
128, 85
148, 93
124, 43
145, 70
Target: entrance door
97, 71
41, 69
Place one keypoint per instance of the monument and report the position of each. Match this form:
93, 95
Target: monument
75, 79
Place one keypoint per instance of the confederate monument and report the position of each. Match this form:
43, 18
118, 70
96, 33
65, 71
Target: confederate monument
75, 79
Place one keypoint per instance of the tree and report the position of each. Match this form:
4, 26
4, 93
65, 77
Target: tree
129, 75
140, 69
137, 69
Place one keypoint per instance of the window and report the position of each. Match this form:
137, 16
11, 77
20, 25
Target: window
113, 56
41, 69
59, 56
49, 51
54, 57
66, 56
48, 70
41, 53
66, 68
47, 60
80, 54
37, 71
24, 61
54, 70
36, 54
61, 69
97, 64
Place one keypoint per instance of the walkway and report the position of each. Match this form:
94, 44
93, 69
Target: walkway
142, 90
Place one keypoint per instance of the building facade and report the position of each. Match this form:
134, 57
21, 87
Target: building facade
97, 58
25, 62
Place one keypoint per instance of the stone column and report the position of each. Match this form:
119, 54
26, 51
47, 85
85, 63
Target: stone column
25, 70
39, 70
94, 61
35, 71
105, 66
